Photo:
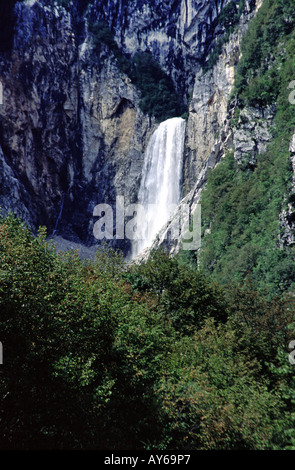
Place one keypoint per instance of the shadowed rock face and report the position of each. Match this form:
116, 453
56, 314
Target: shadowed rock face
8, 18
72, 134
179, 33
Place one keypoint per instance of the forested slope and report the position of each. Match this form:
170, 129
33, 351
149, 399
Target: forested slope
153, 356
246, 206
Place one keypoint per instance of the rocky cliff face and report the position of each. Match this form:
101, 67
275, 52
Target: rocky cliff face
212, 131
72, 133
179, 33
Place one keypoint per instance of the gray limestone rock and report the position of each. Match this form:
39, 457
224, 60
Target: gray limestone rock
72, 134
252, 134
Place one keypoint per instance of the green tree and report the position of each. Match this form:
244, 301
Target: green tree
81, 355
183, 296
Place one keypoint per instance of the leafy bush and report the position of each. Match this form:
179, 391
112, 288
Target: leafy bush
216, 398
182, 295
80, 356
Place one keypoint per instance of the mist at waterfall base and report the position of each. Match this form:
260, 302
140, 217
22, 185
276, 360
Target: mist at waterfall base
160, 188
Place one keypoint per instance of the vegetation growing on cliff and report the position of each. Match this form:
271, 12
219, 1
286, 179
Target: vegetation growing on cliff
100, 356
267, 63
228, 20
158, 95
241, 208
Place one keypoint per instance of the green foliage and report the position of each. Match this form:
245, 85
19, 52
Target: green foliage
158, 95
101, 355
102, 34
223, 391
182, 295
214, 400
242, 363
267, 63
230, 14
76, 350
228, 19
284, 372
262, 324
241, 208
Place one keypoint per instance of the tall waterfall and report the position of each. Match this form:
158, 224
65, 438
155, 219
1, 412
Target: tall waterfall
159, 191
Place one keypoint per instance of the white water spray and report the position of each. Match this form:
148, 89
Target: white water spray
160, 191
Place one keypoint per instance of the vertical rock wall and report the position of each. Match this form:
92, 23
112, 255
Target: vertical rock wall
72, 134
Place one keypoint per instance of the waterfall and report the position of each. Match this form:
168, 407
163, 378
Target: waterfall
160, 188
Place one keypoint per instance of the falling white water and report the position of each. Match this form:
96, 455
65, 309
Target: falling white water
159, 191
